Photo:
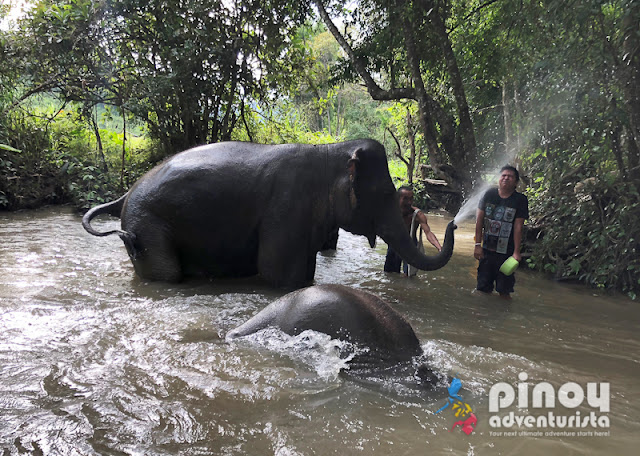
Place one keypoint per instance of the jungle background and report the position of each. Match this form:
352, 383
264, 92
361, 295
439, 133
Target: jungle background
93, 93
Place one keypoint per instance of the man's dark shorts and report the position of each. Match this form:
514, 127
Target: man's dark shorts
489, 272
393, 261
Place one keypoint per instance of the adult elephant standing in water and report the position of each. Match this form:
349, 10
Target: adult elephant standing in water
240, 209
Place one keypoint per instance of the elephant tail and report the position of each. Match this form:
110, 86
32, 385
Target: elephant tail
113, 208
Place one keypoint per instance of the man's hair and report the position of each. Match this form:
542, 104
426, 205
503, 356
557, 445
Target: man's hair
405, 188
511, 168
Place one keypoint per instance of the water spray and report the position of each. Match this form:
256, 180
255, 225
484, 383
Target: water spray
468, 208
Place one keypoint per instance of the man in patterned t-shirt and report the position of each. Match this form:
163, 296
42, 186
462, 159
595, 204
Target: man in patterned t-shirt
499, 222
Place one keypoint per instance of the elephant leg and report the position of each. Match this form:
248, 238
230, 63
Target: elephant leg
285, 261
311, 267
157, 258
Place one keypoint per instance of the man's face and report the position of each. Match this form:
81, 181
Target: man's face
507, 180
406, 201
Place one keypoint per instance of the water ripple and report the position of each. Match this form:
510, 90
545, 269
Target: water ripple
96, 361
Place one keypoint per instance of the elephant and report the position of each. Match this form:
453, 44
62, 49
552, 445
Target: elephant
348, 314
238, 209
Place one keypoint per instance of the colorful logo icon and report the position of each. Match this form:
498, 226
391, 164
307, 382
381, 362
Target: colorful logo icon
460, 408
467, 425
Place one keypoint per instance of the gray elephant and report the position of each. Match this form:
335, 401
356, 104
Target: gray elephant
344, 313
240, 209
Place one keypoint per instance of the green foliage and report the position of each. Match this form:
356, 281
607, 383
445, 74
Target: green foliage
341, 110
589, 227
576, 114
398, 171
88, 185
282, 123
421, 198
27, 175
187, 69
53, 160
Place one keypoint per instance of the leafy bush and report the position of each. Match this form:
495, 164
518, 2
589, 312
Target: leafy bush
588, 224
28, 176
55, 161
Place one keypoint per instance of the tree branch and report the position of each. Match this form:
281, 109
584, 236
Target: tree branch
474, 11
44, 87
376, 92
244, 120
399, 151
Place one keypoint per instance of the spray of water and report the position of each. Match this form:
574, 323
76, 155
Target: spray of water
468, 208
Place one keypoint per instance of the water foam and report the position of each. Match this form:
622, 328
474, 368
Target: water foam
317, 350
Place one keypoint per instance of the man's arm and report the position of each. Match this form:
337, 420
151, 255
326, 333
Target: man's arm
422, 219
477, 250
518, 225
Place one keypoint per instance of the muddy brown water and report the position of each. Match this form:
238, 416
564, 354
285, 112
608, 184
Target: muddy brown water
96, 361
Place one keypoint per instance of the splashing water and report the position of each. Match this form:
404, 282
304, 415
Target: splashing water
468, 208
319, 351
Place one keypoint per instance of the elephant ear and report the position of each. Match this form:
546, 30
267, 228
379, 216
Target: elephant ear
353, 165
356, 170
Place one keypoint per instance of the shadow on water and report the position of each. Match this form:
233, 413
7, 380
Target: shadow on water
96, 361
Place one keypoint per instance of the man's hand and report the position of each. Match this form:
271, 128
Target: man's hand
477, 252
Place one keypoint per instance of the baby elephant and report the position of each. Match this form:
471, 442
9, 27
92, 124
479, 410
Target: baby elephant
356, 316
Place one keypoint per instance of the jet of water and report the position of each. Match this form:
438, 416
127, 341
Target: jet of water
470, 205
468, 209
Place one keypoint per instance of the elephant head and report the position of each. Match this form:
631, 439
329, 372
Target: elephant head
375, 211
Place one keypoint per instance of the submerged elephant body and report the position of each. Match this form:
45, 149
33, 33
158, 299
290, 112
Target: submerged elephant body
240, 209
347, 314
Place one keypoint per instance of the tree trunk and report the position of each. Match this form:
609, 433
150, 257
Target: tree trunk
463, 159
328, 116
100, 151
124, 145
517, 108
426, 120
226, 130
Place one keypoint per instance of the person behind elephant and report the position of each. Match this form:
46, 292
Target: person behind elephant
393, 261
499, 224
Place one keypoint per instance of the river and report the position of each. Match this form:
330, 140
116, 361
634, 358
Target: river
95, 361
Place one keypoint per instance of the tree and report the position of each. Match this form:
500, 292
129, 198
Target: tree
576, 79
405, 45
187, 68
343, 110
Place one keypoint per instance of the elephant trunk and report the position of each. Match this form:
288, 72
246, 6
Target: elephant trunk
399, 240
